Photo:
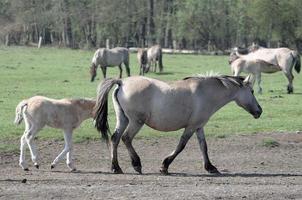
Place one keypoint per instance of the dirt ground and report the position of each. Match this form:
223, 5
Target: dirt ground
249, 169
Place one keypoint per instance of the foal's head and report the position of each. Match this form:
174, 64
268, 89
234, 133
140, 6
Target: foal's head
93, 69
245, 98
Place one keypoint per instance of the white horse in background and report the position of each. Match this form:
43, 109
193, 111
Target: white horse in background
266, 60
109, 58
155, 55
65, 114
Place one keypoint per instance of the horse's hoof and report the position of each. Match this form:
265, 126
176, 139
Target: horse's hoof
52, 166
214, 171
117, 171
138, 169
73, 170
26, 169
37, 166
164, 171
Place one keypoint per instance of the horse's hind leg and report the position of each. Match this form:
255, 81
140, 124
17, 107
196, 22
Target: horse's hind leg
121, 124
204, 149
131, 130
181, 145
290, 78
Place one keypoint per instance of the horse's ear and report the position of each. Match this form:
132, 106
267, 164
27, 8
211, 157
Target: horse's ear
249, 80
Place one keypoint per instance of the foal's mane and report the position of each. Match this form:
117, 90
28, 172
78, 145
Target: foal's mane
225, 80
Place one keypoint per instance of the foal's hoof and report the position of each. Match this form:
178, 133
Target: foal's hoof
164, 171
138, 169
52, 166
26, 169
37, 166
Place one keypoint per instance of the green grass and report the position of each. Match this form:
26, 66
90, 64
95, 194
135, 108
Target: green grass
59, 73
270, 142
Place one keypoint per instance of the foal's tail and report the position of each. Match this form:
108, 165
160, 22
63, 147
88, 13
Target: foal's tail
101, 106
19, 112
297, 61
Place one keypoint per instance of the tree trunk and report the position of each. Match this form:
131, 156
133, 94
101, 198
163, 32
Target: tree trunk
151, 25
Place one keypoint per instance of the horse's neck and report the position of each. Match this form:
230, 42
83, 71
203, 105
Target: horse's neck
220, 97
86, 109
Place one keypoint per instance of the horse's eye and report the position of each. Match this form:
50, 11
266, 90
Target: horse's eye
252, 91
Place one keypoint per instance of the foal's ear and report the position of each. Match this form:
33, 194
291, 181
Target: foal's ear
249, 80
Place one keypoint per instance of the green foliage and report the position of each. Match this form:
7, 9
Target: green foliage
194, 24
60, 73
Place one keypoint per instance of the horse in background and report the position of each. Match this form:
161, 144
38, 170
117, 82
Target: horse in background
154, 55
109, 58
266, 60
185, 104
142, 60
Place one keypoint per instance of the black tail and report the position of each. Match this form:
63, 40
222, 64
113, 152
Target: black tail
101, 106
298, 63
160, 61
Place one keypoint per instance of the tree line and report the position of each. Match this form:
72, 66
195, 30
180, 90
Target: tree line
183, 24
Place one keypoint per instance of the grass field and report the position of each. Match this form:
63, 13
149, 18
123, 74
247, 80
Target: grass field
60, 73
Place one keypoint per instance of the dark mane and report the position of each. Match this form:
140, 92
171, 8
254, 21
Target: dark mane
225, 80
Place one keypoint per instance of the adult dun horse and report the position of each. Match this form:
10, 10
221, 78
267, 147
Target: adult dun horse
188, 104
155, 55
266, 60
109, 58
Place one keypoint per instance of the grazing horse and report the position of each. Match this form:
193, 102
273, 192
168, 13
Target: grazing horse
266, 60
109, 58
142, 60
65, 114
154, 55
188, 104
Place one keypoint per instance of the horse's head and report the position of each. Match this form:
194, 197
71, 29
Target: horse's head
233, 55
245, 98
93, 69
236, 52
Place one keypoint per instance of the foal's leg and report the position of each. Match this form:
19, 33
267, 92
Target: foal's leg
290, 77
204, 149
68, 144
181, 145
22, 161
121, 70
104, 68
131, 130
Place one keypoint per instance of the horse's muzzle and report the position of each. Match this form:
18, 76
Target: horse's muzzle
257, 113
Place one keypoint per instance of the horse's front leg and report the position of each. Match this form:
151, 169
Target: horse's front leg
204, 149
121, 70
181, 145
67, 147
